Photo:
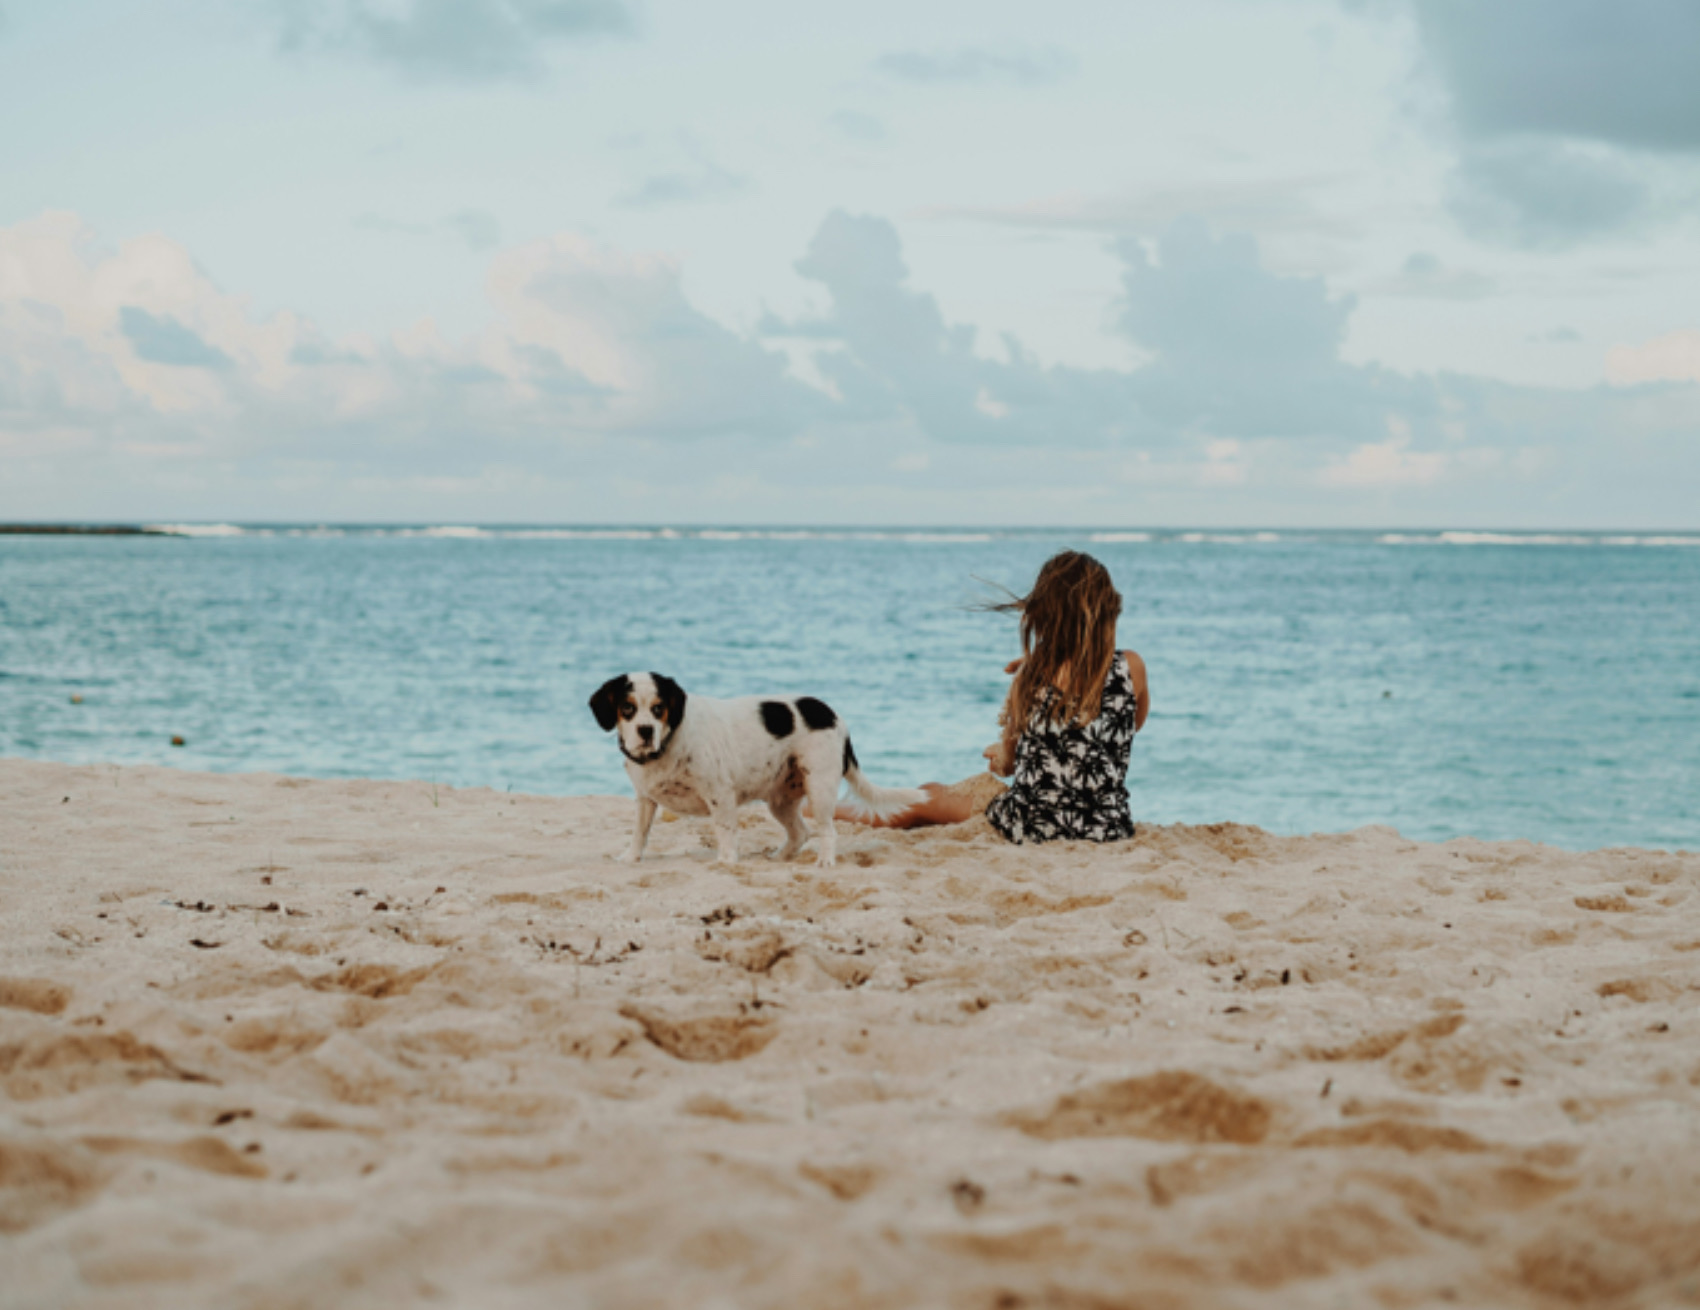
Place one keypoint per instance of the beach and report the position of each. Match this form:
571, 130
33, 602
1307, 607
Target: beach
268, 1041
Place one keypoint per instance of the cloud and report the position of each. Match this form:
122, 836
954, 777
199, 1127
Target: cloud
136, 350
131, 384
1545, 194
313, 352
1235, 352
1271, 206
1387, 463
1571, 118
1558, 336
478, 228
1423, 276
163, 340
977, 65
699, 178
658, 365
1238, 350
1207, 301
449, 40
1674, 357
705, 182
1623, 73
893, 357
858, 126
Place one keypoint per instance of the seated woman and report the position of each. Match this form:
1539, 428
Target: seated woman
1068, 722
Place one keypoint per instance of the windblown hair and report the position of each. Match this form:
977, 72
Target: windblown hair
1068, 642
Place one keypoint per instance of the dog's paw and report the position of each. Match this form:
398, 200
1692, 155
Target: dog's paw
626, 856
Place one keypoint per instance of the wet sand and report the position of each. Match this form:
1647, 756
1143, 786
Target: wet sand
273, 1042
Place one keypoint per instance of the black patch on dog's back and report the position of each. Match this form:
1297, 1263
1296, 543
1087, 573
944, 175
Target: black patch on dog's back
849, 756
777, 718
605, 704
816, 713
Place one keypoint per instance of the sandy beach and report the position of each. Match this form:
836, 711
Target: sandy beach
274, 1042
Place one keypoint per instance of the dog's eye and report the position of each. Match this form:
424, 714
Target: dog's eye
627, 710
659, 711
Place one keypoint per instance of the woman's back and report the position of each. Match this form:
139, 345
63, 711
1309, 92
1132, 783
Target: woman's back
1069, 780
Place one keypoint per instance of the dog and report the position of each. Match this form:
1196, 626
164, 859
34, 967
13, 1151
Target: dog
699, 755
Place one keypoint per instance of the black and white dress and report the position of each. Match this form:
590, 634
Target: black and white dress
1070, 782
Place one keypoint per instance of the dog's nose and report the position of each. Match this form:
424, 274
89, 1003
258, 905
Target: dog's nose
645, 732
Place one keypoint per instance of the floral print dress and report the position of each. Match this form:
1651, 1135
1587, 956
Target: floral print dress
1070, 781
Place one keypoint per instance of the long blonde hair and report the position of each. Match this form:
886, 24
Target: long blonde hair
1068, 627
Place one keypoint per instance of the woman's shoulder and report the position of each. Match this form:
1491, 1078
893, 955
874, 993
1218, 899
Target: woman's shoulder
1135, 665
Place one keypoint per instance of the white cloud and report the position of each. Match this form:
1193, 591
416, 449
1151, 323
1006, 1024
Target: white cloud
1561, 111
1674, 357
1387, 463
597, 390
452, 40
1424, 276
979, 65
137, 349
1281, 205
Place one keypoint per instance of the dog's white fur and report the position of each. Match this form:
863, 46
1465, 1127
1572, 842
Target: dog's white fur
699, 755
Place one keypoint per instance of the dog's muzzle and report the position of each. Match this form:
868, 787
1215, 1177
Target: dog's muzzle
646, 752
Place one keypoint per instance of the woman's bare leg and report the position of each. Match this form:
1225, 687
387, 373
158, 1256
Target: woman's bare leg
942, 806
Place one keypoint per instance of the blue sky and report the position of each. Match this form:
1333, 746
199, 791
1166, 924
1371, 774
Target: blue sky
1235, 262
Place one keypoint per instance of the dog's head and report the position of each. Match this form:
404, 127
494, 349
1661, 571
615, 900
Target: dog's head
647, 708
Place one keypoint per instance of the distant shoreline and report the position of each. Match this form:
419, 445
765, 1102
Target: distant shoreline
912, 533
79, 530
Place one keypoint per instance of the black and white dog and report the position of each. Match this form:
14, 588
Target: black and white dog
697, 755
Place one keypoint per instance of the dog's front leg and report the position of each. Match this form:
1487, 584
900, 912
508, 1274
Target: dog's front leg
640, 831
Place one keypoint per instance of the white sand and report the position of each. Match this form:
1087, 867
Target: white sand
273, 1042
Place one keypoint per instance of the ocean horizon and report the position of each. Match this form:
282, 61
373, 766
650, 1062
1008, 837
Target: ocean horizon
1192, 535
1539, 684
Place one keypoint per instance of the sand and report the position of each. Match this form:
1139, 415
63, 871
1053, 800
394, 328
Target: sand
271, 1042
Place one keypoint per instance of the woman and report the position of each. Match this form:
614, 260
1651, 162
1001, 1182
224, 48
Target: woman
1068, 721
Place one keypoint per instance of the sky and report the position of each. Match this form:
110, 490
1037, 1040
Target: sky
1277, 263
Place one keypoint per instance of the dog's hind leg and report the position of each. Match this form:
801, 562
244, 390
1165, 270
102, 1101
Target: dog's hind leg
823, 801
640, 831
787, 812
723, 814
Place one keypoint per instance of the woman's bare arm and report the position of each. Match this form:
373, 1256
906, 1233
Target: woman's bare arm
1000, 755
1141, 687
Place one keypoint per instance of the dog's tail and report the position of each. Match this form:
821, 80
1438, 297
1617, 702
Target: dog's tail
881, 802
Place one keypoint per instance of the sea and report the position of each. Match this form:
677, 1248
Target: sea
1493, 684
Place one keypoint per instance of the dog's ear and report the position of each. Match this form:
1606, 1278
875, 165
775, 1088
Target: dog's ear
672, 698
605, 704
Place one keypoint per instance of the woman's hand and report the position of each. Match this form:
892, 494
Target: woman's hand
1014, 666
1000, 758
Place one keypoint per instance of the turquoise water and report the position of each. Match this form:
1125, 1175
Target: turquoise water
1498, 685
